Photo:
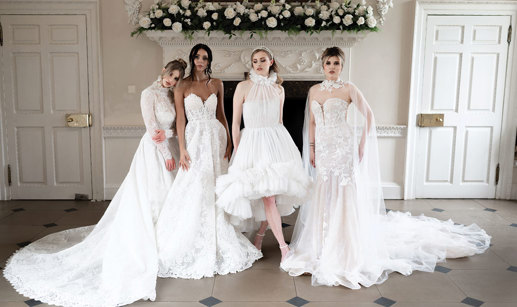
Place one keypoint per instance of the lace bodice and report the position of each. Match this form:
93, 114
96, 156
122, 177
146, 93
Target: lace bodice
262, 105
196, 109
334, 140
158, 113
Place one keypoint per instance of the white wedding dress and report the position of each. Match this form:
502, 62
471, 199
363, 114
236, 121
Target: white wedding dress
266, 163
114, 262
195, 238
344, 236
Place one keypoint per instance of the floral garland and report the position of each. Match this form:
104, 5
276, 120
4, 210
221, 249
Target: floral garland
311, 17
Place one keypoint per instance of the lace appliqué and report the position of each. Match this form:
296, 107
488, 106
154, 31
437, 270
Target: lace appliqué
334, 141
329, 85
258, 79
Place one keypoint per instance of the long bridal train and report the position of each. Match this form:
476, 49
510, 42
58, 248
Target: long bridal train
343, 236
114, 262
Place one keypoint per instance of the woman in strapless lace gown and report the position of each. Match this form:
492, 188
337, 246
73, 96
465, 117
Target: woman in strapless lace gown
344, 236
114, 262
195, 238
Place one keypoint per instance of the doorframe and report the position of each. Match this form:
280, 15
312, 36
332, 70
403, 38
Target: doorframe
424, 8
90, 9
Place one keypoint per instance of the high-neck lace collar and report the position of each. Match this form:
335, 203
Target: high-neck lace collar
258, 79
329, 85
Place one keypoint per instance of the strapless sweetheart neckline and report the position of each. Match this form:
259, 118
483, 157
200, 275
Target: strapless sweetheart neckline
202, 101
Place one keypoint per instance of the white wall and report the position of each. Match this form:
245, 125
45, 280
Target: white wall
380, 68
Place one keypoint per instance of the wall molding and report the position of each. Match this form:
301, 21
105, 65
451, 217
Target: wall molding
383, 131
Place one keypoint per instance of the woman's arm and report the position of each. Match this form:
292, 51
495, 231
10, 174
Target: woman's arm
358, 99
238, 101
180, 125
221, 117
282, 100
147, 104
312, 129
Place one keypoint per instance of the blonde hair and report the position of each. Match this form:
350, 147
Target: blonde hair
179, 65
272, 68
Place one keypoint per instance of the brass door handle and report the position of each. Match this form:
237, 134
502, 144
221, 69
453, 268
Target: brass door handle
430, 120
78, 120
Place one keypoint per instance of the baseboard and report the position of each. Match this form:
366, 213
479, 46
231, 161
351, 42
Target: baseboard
392, 190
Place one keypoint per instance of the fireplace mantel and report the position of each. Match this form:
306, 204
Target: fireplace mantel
298, 56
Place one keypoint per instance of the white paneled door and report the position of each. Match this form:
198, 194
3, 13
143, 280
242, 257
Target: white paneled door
45, 77
464, 79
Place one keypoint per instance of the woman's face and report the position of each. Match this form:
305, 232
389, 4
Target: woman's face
170, 80
261, 63
332, 67
201, 60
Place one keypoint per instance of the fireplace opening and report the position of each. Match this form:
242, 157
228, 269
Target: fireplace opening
294, 106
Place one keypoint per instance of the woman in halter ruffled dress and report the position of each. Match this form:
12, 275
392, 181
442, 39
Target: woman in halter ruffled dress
266, 179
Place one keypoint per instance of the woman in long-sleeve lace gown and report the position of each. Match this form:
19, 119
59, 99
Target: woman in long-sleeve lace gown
114, 262
344, 236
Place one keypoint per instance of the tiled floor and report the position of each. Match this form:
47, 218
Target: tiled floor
485, 280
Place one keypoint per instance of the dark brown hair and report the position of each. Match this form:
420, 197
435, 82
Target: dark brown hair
273, 67
330, 52
192, 55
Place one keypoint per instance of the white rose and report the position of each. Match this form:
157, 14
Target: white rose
360, 11
324, 15
336, 19
309, 11
229, 13
237, 21
253, 17
310, 22
348, 20
263, 13
201, 13
369, 10
174, 9
258, 7
324, 8
275, 9
350, 10
334, 5
271, 22
158, 13
286, 14
340, 12
287, 6
206, 25
360, 21
188, 13
241, 9
185, 3
145, 22
371, 22
215, 16
298, 11
177, 27
167, 22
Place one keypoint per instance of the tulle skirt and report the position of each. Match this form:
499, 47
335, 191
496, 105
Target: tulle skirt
266, 163
109, 264
340, 242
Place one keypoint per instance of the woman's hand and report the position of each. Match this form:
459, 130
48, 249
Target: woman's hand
159, 136
361, 151
184, 160
228, 153
313, 159
170, 164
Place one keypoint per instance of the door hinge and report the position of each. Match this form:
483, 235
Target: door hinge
509, 38
1, 35
497, 174
9, 181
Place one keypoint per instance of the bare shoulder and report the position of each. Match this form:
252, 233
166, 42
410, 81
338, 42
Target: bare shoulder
216, 82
